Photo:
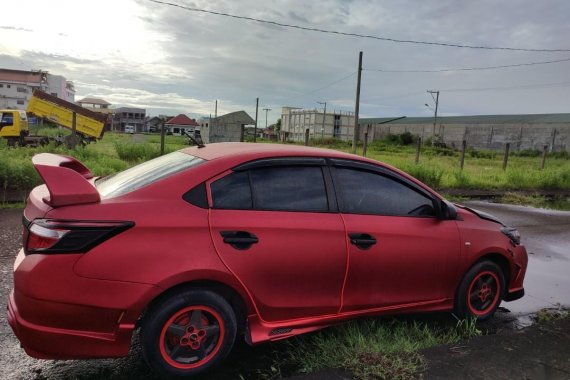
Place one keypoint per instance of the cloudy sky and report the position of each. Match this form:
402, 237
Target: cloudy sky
170, 60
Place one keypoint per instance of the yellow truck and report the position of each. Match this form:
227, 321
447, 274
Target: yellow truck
89, 125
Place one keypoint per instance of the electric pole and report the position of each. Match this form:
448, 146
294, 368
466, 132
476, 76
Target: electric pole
357, 105
436, 100
324, 116
266, 110
255, 129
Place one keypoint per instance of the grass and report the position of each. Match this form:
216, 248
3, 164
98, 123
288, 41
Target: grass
438, 166
379, 348
547, 315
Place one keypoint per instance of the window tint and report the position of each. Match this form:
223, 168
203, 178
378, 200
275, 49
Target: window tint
298, 188
362, 192
232, 192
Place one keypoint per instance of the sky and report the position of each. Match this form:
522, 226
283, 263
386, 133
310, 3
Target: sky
170, 60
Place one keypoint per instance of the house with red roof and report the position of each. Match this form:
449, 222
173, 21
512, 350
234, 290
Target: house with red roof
180, 124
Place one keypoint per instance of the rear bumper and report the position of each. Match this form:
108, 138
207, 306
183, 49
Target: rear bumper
44, 342
57, 314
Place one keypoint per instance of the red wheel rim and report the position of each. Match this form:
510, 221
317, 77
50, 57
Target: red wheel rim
483, 293
191, 337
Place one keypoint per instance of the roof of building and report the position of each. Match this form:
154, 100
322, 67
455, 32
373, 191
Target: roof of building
130, 109
182, 120
238, 117
21, 76
96, 101
478, 119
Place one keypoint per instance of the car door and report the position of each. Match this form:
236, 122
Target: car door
400, 253
275, 230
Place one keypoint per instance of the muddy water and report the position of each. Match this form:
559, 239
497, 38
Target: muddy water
546, 235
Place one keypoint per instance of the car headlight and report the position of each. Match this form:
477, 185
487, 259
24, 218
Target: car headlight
512, 233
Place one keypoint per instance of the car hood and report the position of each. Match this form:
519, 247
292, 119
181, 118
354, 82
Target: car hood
481, 214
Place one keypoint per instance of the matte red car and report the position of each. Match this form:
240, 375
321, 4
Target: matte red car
206, 244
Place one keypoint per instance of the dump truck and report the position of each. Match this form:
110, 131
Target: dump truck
89, 125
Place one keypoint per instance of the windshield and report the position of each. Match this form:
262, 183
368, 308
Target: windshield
144, 174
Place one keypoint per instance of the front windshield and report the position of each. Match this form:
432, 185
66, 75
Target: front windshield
145, 174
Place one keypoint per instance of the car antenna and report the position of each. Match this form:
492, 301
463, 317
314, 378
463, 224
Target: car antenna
198, 141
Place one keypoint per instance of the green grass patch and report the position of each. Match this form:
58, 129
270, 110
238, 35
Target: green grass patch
380, 348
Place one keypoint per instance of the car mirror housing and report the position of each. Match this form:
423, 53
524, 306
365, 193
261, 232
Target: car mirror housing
447, 211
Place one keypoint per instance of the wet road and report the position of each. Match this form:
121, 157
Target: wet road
545, 233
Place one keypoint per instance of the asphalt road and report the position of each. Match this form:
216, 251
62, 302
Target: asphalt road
545, 233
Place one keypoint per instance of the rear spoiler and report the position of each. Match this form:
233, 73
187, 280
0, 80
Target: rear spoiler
67, 180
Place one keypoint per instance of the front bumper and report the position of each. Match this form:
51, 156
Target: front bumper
57, 314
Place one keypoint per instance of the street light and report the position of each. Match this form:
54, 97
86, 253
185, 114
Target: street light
324, 116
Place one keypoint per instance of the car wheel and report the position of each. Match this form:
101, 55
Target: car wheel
480, 292
188, 333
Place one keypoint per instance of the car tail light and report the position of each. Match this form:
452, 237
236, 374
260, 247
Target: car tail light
68, 236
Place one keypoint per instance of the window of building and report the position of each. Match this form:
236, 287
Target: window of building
20, 101
363, 192
22, 89
1, 85
8, 86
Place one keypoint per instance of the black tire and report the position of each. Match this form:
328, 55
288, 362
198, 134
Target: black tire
188, 333
480, 292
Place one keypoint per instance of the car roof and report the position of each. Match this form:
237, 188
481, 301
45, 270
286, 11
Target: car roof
248, 151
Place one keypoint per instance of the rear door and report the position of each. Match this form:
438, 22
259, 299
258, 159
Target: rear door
275, 229
399, 252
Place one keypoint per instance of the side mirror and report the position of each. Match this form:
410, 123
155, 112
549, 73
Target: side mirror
447, 211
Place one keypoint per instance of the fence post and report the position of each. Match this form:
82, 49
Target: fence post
544, 152
162, 131
365, 146
463, 148
307, 137
418, 147
506, 158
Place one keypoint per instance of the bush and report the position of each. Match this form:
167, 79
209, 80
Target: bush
527, 153
405, 138
132, 152
472, 152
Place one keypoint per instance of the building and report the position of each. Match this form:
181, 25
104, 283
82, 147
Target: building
295, 121
135, 117
228, 127
182, 124
100, 106
490, 132
17, 86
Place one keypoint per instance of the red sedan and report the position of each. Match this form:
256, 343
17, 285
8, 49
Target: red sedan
264, 241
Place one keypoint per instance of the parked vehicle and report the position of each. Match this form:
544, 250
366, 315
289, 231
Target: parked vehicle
14, 123
264, 241
129, 129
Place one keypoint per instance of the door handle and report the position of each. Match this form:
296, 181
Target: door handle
362, 241
240, 240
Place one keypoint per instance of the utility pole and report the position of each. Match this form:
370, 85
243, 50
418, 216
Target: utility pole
216, 110
256, 110
324, 116
266, 110
436, 100
357, 105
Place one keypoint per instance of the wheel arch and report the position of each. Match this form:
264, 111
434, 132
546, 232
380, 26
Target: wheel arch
501, 260
234, 298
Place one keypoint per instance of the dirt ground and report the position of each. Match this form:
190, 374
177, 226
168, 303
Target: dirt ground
541, 351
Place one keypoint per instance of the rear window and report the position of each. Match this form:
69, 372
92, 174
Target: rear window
144, 174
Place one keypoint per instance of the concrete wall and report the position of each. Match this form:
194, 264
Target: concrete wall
221, 133
295, 121
483, 136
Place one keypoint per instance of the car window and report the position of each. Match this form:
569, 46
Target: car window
364, 192
232, 192
297, 188
144, 174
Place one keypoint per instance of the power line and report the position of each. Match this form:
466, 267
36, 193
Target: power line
387, 39
471, 68
320, 88
521, 87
